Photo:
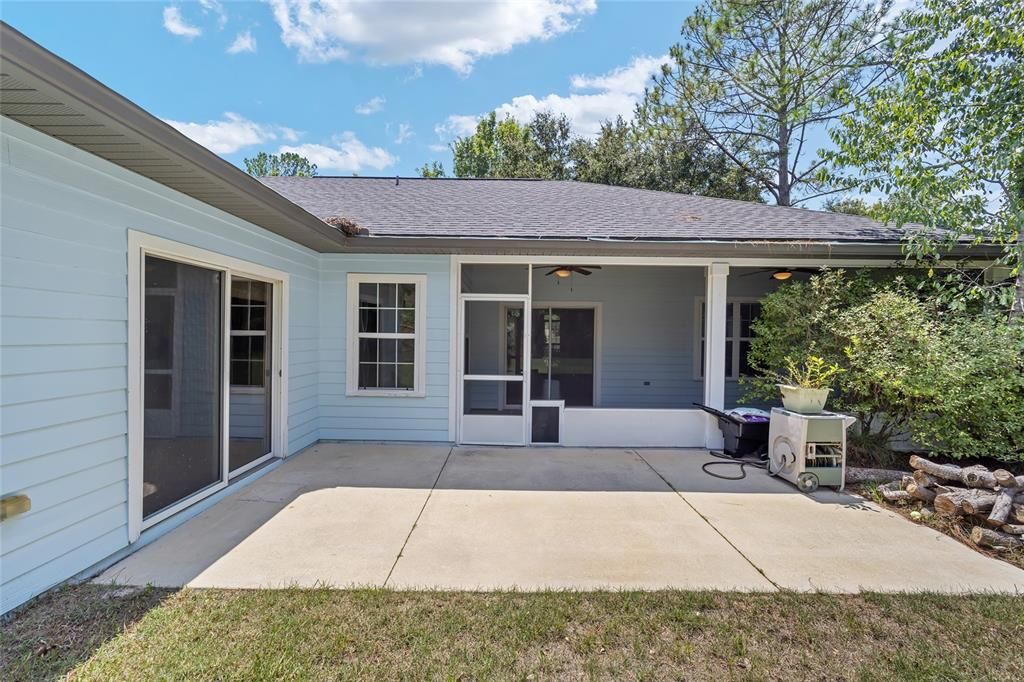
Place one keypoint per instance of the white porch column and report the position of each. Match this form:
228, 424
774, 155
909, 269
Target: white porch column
716, 278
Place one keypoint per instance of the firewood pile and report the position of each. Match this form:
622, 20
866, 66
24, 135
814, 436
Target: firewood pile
993, 501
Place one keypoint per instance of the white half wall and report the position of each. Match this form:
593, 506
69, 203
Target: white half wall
641, 428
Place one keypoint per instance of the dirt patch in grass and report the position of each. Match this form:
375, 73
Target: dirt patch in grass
381, 634
60, 630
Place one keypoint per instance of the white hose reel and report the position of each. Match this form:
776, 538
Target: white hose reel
782, 460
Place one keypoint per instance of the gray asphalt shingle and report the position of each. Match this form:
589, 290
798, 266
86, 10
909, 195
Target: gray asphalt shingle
554, 209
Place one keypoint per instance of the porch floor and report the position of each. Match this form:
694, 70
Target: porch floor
427, 516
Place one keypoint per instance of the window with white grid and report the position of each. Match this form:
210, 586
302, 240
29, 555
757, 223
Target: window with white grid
386, 334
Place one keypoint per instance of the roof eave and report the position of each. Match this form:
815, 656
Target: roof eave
26, 60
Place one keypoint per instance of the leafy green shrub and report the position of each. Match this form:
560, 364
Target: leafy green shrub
813, 372
953, 383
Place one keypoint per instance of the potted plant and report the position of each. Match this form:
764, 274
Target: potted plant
806, 386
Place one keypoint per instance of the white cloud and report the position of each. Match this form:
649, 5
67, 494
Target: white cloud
437, 147
346, 154
404, 133
452, 34
592, 100
213, 6
457, 125
176, 24
243, 42
372, 106
233, 132
596, 100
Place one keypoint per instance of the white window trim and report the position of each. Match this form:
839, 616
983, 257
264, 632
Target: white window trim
698, 336
352, 336
141, 245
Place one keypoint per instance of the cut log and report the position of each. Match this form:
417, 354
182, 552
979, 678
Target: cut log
1018, 513
1013, 528
863, 475
978, 476
895, 495
952, 502
1007, 480
981, 502
947, 472
925, 479
919, 492
986, 537
905, 481
1003, 505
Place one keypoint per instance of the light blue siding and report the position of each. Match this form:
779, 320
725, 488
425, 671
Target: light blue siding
64, 223
374, 418
63, 360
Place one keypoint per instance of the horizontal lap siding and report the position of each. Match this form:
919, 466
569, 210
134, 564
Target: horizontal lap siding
63, 353
344, 417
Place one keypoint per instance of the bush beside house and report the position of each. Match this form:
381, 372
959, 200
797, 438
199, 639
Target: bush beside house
951, 381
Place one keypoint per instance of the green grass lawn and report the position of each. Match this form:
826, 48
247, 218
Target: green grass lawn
98, 633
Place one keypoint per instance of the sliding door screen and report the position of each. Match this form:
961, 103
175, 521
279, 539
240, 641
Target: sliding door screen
182, 343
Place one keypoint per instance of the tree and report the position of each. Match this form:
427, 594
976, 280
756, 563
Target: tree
648, 157
432, 170
760, 78
497, 149
629, 154
945, 138
288, 163
552, 139
853, 206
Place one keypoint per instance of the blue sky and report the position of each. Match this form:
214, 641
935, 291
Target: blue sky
373, 88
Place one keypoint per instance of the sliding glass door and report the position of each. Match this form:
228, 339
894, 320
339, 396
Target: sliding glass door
207, 380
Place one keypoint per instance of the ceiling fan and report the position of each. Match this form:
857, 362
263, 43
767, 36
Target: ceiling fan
567, 270
781, 274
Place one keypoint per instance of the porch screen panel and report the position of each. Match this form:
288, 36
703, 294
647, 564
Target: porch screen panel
182, 340
563, 355
493, 357
488, 278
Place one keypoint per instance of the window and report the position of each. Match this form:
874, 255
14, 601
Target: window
739, 314
249, 316
386, 335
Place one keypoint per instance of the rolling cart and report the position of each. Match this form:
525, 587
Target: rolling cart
808, 450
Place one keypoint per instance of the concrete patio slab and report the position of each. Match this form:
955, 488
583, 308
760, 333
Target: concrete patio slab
559, 518
332, 515
830, 541
423, 516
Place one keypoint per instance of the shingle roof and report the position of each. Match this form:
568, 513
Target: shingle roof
552, 209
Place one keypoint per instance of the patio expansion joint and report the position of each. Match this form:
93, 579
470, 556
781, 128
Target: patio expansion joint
416, 521
708, 521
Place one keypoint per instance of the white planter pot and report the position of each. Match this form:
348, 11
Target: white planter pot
804, 400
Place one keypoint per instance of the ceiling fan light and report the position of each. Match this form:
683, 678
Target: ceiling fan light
563, 272
782, 275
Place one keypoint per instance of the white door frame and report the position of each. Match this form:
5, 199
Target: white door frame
462, 377
141, 245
